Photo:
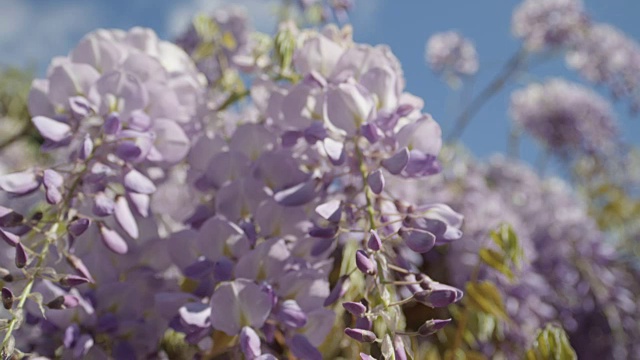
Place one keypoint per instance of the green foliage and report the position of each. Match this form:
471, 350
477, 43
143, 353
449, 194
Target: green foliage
15, 124
551, 343
285, 45
14, 90
485, 296
509, 254
176, 347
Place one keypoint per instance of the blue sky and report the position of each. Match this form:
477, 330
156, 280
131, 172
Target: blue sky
33, 31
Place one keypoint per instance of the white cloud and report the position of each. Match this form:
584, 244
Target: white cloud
35, 33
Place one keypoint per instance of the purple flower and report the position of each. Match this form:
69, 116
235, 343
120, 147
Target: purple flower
355, 308
361, 335
365, 263
432, 326
250, 343
545, 24
565, 116
605, 55
451, 52
237, 304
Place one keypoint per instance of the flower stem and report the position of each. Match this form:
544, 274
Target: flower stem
511, 67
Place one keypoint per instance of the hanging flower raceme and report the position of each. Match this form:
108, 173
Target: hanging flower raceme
297, 179
565, 117
233, 215
557, 238
219, 42
606, 56
549, 24
120, 103
449, 52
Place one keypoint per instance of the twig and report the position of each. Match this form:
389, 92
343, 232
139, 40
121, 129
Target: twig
511, 67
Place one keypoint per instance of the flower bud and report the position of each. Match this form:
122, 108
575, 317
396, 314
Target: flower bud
21, 256
376, 182
73, 280
53, 195
355, 308
7, 298
136, 182
79, 266
361, 335
399, 349
364, 263
420, 241
63, 302
113, 240
441, 296
78, 226
374, 243
432, 326
364, 323
103, 205
10, 238
87, 147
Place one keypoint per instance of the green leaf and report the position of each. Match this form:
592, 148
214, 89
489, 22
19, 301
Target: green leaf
486, 326
485, 296
508, 242
497, 261
228, 41
206, 28
285, 45
551, 343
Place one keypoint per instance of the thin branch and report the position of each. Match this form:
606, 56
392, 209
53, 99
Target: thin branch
510, 68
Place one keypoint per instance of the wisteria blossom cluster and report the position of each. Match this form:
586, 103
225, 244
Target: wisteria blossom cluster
239, 195
607, 56
600, 52
450, 52
569, 273
565, 117
170, 226
218, 42
549, 23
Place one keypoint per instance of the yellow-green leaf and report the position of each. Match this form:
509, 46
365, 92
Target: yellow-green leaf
508, 242
496, 260
551, 343
485, 296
